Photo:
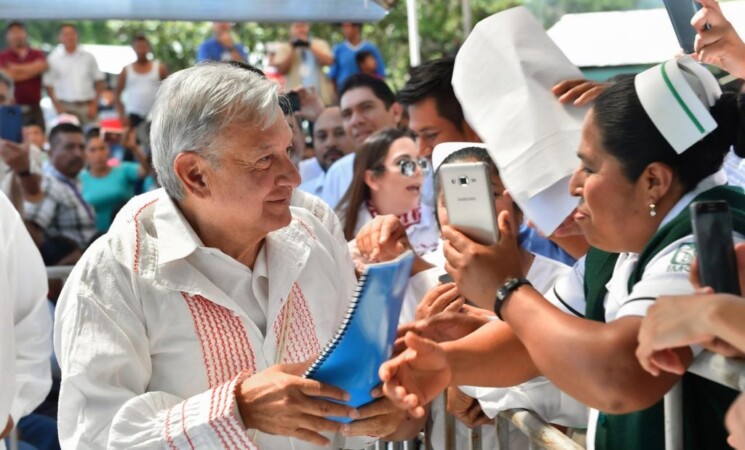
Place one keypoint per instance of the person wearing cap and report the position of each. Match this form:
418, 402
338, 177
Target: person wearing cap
436, 117
26, 66
441, 315
650, 146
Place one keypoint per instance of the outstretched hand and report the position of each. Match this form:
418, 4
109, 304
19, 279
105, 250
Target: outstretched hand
416, 376
579, 91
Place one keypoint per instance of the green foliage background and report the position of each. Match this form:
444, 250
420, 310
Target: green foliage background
440, 28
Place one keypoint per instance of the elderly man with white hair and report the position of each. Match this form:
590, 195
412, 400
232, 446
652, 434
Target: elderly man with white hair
190, 323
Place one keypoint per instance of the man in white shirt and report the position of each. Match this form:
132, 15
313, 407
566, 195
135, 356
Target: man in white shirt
74, 82
190, 323
24, 287
330, 143
367, 105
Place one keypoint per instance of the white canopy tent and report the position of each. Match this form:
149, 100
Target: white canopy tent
198, 10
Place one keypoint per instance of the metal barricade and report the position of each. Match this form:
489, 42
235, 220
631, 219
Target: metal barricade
726, 371
59, 272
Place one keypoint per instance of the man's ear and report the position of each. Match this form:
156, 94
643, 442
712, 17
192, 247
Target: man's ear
398, 112
192, 171
471, 135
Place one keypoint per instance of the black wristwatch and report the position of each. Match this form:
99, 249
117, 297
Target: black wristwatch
504, 292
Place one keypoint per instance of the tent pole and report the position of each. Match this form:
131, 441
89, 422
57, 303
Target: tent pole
465, 6
415, 56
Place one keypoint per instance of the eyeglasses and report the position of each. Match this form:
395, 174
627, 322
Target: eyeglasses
408, 166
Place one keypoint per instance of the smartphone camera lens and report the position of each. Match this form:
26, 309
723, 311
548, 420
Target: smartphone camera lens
463, 181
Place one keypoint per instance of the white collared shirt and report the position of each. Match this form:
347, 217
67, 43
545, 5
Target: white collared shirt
73, 75
151, 343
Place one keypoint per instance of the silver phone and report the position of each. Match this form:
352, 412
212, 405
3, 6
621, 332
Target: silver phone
469, 199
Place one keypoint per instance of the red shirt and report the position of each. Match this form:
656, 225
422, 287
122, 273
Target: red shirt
28, 92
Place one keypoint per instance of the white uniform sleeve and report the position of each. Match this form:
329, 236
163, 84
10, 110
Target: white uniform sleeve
568, 294
32, 324
106, 366
666, 274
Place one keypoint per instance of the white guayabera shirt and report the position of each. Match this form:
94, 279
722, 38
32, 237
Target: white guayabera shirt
154, 329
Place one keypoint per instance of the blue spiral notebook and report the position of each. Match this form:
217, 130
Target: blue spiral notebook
364, 340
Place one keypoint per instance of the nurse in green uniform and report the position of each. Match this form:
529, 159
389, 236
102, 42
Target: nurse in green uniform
650, 146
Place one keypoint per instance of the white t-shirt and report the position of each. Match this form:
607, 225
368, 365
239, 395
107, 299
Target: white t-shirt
338, 179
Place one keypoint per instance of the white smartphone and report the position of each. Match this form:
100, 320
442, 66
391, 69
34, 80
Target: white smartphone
469, 199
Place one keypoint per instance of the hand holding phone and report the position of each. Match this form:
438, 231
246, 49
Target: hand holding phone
469, 199
715, 248
681, 12
11, 123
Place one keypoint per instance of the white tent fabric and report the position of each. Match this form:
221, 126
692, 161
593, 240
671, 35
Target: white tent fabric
198, 10
620, 38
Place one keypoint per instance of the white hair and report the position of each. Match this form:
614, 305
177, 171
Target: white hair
194, 106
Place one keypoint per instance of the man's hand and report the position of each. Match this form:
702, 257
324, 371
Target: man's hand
444, 327
479, 270
279, 401
130, 139
718, 43
380, 418
579, 92
416, 376
16, 156
735, 422
92, 109
466, 409
311, 105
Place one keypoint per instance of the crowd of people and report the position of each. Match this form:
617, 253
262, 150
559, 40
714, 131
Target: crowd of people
217, 226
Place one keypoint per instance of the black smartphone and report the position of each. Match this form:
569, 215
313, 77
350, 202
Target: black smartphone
681, 12
11, 123
294, 99
715, 247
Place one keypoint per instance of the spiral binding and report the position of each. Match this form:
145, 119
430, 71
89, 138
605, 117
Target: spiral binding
342, 330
